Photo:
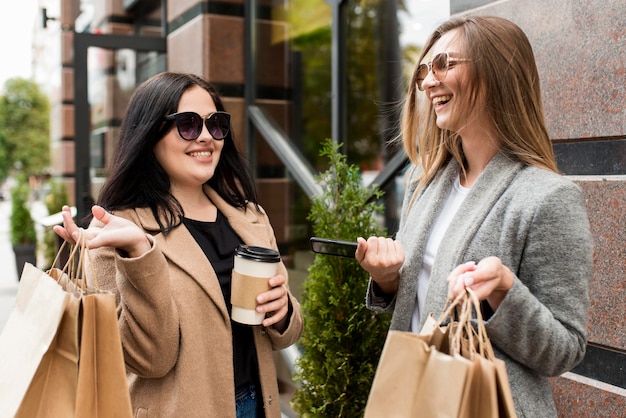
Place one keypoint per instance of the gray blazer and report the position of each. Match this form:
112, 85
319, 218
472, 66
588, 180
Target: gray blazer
533, 220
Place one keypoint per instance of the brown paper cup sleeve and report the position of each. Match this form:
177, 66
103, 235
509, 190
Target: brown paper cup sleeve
245, 288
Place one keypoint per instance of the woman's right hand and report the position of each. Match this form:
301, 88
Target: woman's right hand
382, 258
117, 232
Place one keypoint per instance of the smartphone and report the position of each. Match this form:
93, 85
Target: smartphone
333, 247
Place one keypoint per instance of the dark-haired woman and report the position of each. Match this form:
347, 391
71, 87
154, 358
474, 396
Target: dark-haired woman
177, 202
485, 208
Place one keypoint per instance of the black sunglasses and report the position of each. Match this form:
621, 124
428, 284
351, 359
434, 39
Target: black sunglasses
189, 124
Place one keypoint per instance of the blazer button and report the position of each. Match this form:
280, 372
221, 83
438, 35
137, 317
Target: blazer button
269, 399
263, 332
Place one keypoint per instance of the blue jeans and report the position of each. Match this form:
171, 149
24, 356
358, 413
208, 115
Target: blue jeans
246, 402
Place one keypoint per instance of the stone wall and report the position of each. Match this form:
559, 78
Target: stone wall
579, 47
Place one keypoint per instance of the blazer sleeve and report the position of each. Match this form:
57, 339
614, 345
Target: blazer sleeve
542, 321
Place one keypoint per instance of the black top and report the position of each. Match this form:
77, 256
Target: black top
218, 241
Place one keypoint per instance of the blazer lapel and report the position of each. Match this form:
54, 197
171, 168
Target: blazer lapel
453, 250
413, 235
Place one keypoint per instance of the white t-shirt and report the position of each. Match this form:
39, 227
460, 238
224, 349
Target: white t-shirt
450, 207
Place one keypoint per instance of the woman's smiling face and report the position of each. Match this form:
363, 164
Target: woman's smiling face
448, 92
190, 163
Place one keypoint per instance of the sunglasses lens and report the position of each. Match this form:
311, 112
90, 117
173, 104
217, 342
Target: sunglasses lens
440, 66
189, 125
218, 125
422, 72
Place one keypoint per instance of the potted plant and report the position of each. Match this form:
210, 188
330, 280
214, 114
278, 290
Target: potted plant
22, 228
342, 340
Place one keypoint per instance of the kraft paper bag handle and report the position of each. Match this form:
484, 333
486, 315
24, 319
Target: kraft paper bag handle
102, 390
472, 304
449, 310
81, 273
74, 267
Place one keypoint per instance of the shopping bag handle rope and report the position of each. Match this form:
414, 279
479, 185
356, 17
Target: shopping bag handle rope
84, 250
75, 264
462, 307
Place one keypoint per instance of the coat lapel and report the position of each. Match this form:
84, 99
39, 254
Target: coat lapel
453, 250
246, 224
413, 234
182, 250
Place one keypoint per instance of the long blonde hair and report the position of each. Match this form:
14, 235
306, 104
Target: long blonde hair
502, 70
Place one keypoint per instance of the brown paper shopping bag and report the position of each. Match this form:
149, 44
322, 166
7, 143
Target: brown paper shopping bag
448, 370
83, 372
417, 377
501, 386
102, 390
401, 365
488, 394
52, 391
102, 385
32, 325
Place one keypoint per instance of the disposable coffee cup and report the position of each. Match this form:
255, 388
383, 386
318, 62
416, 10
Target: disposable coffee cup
254, 267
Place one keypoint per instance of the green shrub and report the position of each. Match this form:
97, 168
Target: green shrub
342, 339
22, 226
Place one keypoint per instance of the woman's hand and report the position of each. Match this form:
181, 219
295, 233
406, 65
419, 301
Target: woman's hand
275, 303
489, 279
382, 258
117, 232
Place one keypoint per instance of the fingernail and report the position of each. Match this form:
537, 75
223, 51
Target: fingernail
468, 280
470, 263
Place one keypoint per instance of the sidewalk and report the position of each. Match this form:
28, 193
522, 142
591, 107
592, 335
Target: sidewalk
8, 276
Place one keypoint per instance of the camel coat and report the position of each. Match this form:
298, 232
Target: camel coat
533, 220
174, 324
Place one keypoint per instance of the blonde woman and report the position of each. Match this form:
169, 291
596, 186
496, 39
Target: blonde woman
486, 208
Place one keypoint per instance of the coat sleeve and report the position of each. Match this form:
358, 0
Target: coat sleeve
542, 321
147, 315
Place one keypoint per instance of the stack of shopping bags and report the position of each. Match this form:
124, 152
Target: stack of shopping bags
448, 370
60, 350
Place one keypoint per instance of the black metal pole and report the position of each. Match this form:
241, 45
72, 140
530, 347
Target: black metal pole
250, 56
338, 73
82, 127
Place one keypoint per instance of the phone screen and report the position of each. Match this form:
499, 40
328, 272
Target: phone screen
333, 247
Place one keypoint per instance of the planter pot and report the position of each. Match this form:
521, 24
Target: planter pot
24, 254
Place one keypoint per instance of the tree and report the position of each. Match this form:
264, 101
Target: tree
24, 128
342, 340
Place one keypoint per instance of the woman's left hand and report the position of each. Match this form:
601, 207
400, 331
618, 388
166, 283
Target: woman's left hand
489, 279
275, 303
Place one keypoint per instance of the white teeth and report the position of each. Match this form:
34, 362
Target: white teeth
201, 154
441, 99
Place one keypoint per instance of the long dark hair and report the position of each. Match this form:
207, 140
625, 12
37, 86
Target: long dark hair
136, 179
